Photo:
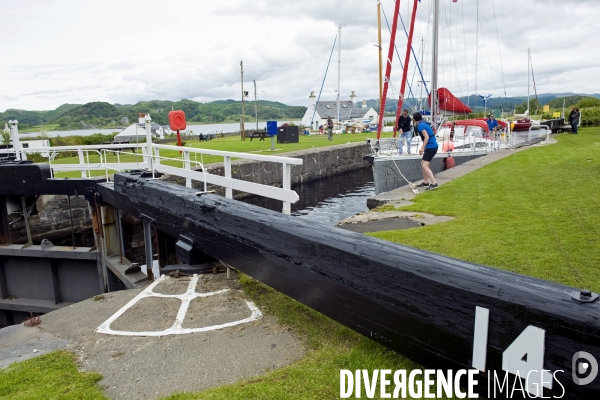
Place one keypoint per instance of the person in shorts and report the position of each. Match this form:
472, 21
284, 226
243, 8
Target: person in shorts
428, 150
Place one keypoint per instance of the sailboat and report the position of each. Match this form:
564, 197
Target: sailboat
392, 170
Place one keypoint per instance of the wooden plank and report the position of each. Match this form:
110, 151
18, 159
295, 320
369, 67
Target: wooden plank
418, 303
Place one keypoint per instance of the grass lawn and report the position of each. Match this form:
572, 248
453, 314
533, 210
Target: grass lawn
535, 213
51, 376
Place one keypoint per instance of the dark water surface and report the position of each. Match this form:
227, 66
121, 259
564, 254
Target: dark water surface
328, 200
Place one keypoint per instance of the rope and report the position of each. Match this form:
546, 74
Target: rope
323, 84
412, 185
499, 52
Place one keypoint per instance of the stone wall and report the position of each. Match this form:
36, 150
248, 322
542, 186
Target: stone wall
52, 220
318, 163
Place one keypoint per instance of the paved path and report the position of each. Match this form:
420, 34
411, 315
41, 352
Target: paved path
136, 367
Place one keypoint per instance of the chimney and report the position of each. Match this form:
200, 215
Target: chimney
352, 97
142, 117
312, 100
364, 104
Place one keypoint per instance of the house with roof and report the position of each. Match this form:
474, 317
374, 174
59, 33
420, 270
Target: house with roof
349, 112
137, 132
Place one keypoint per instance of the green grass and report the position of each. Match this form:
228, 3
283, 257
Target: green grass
535, 213
51, 376
39, 128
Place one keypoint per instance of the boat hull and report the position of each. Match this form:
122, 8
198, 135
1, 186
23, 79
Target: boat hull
387, 177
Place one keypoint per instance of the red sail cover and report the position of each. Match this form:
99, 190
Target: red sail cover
450, 103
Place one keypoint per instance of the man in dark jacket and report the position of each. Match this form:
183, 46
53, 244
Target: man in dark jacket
329, 128
405, 131
574, 119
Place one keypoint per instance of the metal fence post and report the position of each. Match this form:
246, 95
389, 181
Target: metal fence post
287, 185
147, 120
84, 171
14, 128
228, 190
186, 165
157, 155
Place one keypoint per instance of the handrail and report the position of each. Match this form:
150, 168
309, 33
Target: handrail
248, 156
152, 161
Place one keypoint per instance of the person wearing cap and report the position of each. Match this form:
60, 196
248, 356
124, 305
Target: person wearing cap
428, 150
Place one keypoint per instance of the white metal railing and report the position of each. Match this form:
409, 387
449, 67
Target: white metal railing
151, 159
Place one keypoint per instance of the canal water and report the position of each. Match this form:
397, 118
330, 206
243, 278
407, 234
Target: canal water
329, 200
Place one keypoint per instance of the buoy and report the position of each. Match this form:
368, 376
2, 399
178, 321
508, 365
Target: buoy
450, 162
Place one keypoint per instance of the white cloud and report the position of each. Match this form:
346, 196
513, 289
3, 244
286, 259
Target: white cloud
123, 52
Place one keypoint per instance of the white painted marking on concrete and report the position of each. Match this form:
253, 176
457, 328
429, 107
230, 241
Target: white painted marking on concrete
186, 298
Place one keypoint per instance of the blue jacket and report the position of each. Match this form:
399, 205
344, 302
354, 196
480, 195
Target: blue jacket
492, 123
432, 142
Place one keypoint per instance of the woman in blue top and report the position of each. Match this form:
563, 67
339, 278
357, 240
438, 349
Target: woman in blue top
428, 150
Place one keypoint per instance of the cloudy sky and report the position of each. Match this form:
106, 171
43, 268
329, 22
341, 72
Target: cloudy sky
124, 51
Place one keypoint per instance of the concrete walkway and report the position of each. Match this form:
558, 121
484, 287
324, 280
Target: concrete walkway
392, 220
142, 367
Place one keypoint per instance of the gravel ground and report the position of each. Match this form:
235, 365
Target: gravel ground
149, 367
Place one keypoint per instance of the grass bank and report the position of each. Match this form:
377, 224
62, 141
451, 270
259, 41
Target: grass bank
535, 213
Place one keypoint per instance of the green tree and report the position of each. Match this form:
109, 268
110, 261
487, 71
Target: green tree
533, 106
5, 135
588, 102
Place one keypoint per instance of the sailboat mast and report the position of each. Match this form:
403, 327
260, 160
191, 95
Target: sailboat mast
434, 69
388, 68
422, 78
406, 61
380, 49
255, 103
242, 129
339, 70
528, 63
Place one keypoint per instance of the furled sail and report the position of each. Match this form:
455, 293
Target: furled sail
450, 104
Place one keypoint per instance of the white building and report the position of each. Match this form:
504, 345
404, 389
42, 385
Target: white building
137, 132
349, 112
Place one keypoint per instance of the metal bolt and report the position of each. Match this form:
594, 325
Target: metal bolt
585, 293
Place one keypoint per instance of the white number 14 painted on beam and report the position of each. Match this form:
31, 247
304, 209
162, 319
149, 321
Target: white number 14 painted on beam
525, 354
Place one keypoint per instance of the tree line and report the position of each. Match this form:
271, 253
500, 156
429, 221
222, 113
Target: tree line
106, 115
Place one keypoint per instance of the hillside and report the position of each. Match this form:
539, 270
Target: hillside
30, 118
106, 115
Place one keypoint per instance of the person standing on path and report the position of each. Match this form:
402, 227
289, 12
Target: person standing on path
428, 150
406, 133
574, 119
329, 128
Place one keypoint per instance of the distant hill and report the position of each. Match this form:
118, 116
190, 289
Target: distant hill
30, 118
106, 115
